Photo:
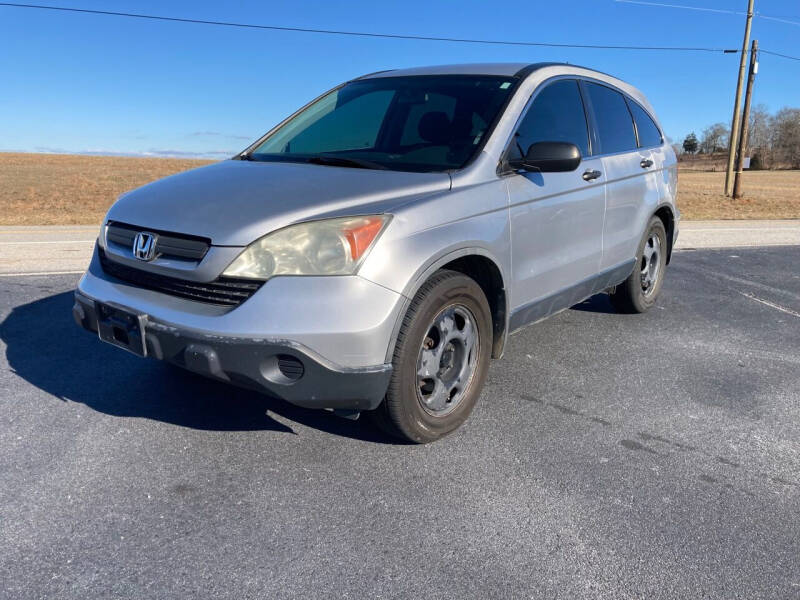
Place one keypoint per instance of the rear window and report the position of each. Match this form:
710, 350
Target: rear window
614, 123
649, 135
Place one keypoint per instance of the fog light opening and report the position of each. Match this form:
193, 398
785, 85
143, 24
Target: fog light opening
290, 366
283, 369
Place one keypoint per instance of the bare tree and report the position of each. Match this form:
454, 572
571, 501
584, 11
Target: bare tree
715, 138
758, 146
773, 140
758, 129
785, 129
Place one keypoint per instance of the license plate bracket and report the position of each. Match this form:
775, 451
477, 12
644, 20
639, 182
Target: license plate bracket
121, 327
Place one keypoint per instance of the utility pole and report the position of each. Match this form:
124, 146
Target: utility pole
751, 76
734, 136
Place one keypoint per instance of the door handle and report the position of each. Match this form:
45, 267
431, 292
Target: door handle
646, 163
590, 174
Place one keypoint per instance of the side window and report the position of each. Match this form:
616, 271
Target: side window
614, 124
556, 115
649, 135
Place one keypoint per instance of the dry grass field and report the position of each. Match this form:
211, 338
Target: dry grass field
767, 195
71, 189
55, 189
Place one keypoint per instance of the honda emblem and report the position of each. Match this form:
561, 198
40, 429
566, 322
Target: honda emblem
144, 246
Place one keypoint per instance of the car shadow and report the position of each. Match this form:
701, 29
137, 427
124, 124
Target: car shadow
599, 303
47, 349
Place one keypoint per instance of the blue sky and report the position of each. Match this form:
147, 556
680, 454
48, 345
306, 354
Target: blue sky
90, 83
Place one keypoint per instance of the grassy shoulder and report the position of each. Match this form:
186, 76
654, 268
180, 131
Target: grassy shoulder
60, 189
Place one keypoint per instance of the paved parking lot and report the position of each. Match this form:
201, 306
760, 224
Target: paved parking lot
611, 456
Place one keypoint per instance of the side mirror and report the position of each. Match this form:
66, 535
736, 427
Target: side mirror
550, 157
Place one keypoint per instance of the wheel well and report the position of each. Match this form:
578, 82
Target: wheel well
487, 275
665, 214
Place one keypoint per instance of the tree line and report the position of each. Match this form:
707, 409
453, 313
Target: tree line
773, 140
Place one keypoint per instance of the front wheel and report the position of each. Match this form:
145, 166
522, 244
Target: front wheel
638, 292
440, 360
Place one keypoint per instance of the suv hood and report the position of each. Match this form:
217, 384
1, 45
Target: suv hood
234, 202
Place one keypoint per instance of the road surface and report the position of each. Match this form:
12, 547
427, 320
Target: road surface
610, 456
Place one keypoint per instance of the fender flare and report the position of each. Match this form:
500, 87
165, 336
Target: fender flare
672, 227
424, 272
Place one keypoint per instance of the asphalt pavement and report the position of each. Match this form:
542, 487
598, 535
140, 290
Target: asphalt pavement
610, 456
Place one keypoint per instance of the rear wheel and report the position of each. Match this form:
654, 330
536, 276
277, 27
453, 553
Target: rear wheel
638, 293
440, 360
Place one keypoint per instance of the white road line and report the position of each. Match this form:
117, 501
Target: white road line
685, 229
48, 242
42, 273
47, 231
728, 246
788, 311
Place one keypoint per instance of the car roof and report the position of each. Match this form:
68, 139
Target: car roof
517, 70
507, 69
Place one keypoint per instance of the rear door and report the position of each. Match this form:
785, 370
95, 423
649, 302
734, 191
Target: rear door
556, 219
651, 139
632, 190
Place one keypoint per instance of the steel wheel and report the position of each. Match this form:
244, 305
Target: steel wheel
447, 359
440, 359
651, 263
640, 290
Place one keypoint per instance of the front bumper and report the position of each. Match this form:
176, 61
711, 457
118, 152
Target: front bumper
339, 328
281, 368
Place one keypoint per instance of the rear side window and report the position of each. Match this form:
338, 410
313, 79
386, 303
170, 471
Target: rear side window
649, 135
614, 124
556, 115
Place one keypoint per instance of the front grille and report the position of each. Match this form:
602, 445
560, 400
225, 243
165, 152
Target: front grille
169, 245
226, 291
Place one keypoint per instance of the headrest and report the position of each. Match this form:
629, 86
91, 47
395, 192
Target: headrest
435, 127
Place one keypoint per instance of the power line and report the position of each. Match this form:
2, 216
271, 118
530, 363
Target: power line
667, 5
795, 17
779, 54
779, 20
760, 15
363, 33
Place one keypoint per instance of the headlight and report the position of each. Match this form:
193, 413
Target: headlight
327, 247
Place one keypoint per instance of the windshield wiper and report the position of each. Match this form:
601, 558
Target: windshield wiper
340, 161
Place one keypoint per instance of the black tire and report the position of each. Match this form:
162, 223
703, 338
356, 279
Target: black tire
631, 296
402, 413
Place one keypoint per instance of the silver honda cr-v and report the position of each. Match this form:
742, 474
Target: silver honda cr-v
374, 250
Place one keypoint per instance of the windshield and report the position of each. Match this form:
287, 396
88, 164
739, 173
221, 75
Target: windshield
422, 123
